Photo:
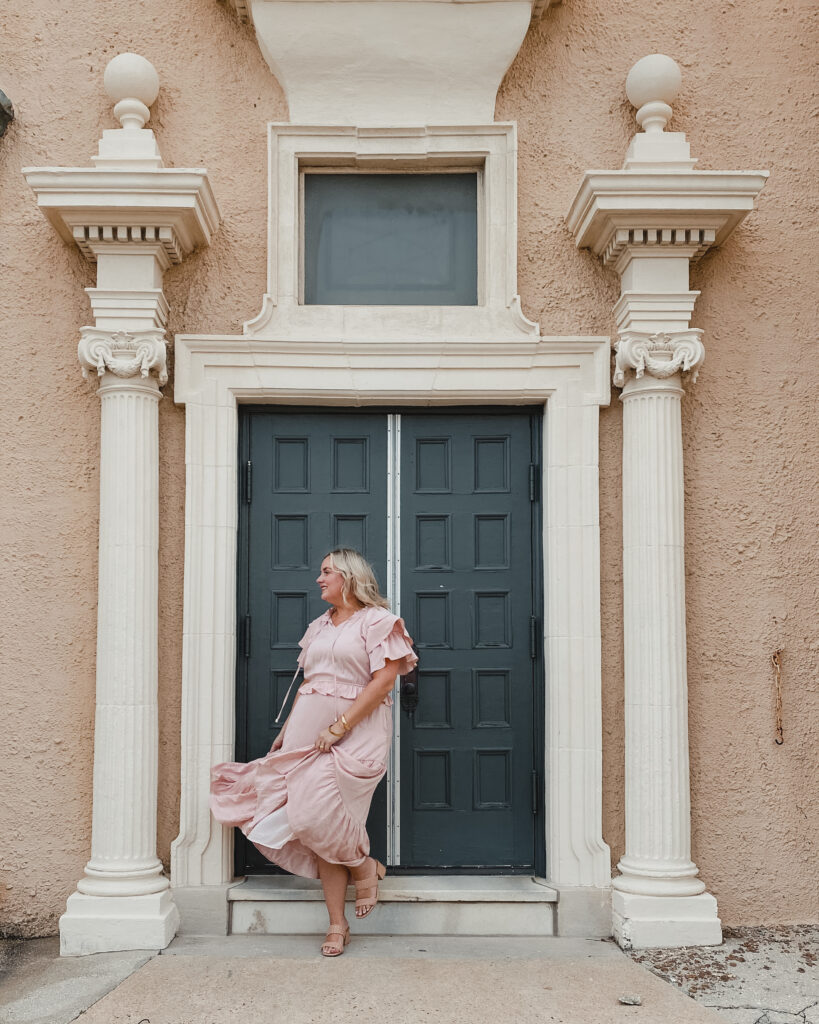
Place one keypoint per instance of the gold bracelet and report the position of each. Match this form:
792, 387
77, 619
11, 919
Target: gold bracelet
330, 730
345, 724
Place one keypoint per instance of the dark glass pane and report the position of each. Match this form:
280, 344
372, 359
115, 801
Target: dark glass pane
391, 239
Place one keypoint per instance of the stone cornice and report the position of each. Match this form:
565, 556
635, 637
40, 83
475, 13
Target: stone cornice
169, 208
692, 210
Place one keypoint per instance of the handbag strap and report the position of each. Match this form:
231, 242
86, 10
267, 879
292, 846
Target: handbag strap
286, 696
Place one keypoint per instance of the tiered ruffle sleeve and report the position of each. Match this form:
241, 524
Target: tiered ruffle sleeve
386, 638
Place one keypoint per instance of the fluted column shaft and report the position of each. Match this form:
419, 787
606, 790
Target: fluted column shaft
658, 836
123, 845
658, 900
123, 901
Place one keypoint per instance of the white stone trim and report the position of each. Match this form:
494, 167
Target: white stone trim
133, 218
123, 353
689, 242
92, 924
660, 208
490, 149
661, 355
569, 376
172, 208
539, 7
392, 62
644, 922
649, 221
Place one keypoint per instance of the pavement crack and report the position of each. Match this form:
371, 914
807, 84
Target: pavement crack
799, 1016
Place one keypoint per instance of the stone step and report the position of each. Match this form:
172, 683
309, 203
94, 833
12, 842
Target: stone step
408, 905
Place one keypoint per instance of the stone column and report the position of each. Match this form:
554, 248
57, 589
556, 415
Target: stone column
124, 900
655, 349
656, 869
648, 221
133, 218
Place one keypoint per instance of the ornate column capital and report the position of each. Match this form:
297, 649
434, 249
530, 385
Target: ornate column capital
660, 355
123, 353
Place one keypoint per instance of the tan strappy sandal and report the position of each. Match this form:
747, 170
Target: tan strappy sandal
342, 931
367, 902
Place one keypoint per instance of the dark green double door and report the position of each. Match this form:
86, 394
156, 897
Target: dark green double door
445, 507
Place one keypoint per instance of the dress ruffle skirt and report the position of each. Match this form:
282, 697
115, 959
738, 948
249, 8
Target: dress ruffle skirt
305, 801
298, 803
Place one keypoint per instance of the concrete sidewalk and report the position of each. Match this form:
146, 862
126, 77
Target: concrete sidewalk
400, 980
759, 975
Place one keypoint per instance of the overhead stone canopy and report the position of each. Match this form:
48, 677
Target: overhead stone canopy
390, 62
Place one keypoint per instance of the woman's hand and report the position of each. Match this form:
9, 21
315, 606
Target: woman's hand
326, 739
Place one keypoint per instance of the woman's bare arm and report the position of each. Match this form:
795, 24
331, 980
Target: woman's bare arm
373, 694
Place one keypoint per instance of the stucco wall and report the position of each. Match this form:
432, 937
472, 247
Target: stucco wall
749, 423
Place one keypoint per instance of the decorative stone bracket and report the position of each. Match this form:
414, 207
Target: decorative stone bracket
649, 221
133, 218
390, 62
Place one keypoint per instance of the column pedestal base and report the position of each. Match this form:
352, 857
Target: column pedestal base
645, 922
105, 924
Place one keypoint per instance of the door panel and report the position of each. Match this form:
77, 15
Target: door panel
468, 557
318, 481
466, 592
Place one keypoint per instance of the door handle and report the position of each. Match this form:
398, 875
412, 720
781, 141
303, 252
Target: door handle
409, 695
409, 687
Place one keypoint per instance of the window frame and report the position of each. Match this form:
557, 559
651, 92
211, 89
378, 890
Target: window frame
476, 167
490, 150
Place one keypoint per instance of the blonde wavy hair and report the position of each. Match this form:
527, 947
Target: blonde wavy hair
358, 578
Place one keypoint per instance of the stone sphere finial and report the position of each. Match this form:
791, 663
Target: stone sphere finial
651, 86
133, 84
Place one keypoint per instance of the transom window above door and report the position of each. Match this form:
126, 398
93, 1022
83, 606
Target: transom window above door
390, 239
403, 234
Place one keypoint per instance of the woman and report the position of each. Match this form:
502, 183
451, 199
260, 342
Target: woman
305, 804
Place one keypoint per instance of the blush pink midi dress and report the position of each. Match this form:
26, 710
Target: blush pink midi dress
298, 803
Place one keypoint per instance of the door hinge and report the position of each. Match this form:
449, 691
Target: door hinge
246, 636
534, 792
533, 481
533, 637
247, 481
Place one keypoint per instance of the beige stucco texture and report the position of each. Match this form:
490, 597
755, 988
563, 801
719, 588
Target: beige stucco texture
750, 423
